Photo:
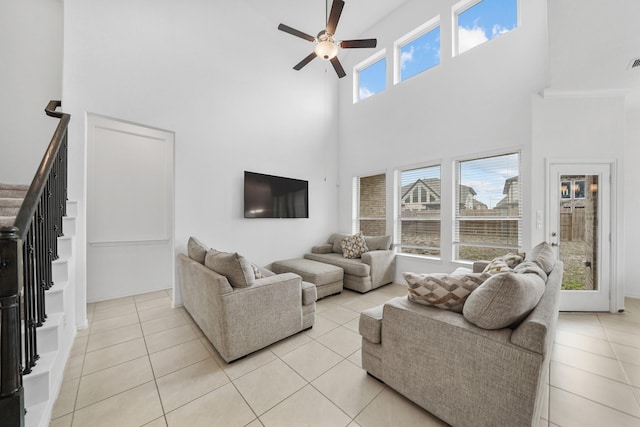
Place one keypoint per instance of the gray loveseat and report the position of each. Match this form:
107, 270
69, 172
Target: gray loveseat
241, 320
459, 372
373, 269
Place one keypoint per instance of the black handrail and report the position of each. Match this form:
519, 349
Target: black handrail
27, 251
30, 204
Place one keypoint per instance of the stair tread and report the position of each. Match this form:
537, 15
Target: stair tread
6, 221
13, 190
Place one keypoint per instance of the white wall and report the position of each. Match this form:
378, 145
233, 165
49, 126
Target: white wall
631, 227
475, 103
30, 76
212, 73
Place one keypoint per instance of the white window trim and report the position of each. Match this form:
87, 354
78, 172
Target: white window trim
361, 66
455, 244
456, 10
461, 7
423, 29
355, 201
397, 220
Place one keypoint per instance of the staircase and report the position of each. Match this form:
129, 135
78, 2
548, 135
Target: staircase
37, 286
55, 336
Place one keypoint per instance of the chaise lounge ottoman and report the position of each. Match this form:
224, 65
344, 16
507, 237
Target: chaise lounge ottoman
326, 277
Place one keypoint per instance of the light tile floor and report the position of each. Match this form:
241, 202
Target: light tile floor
142, 363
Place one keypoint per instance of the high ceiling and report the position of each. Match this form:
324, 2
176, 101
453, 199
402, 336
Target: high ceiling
309, 16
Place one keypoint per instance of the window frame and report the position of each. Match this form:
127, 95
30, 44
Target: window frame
398, 218
371, 60
411, 36
356, 218
455, 241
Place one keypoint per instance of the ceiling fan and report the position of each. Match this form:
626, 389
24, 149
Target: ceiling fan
326, 46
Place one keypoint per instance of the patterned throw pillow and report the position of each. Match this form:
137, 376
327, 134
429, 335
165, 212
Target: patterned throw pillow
503, 263
256, 272
444, 291
354, 246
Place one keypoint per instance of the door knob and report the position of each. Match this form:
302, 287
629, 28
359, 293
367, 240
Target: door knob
554, 244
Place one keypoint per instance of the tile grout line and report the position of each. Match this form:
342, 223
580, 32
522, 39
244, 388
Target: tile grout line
636, 395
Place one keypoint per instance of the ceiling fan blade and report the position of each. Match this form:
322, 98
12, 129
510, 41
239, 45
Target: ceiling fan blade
305, 61
334, 16
352, 44
338, 67
296, 33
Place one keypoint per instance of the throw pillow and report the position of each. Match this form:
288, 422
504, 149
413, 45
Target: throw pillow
196, 250
496, 265
336, 239
530, 267
443, 290
354, 246
542, 255
257, 274
236, 268
503, 263
503, 300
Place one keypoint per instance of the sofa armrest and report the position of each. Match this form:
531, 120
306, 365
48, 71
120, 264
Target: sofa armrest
370, 325
479, 266
326, 248
382, 266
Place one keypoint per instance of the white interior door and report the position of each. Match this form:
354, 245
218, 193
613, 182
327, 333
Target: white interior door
579, 230
129, 209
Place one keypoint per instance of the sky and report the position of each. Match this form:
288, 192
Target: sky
476, 25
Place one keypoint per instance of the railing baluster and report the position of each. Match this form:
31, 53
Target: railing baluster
27, 251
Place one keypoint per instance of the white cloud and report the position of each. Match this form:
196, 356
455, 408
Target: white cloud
406, 57
470, 37
365, 93
498, 29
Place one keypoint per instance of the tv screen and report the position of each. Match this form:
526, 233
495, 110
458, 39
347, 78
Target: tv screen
267, 196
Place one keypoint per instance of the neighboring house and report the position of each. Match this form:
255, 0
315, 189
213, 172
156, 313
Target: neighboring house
424, 195
512, 194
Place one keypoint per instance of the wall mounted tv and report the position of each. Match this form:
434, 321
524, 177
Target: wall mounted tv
268, 196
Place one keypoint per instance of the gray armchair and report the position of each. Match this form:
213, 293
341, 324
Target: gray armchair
239, 321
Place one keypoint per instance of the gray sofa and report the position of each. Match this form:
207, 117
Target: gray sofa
373, 269
241, 320
459, 372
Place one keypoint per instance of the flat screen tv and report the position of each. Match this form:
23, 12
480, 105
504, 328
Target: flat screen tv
268, 196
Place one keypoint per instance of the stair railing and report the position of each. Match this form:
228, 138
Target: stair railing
27, 251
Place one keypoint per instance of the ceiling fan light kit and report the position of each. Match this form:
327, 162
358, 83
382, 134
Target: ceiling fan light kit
326, 47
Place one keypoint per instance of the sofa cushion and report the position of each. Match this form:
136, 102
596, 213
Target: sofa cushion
503, 263
443, 290
378, 243
196, 250
354, 267
336, 240
236, 268
503, 300
543, 255
354, 246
